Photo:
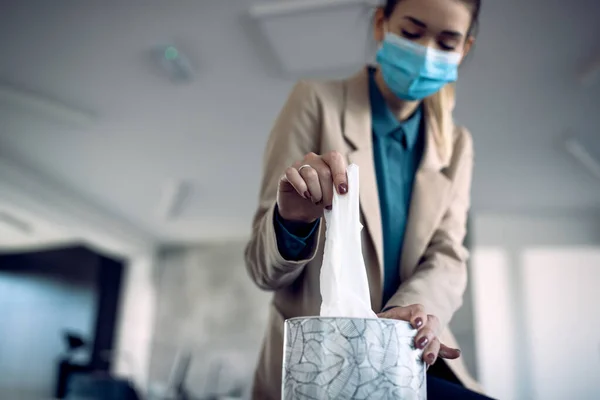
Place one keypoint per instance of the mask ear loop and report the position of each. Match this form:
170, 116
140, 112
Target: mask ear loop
386, 30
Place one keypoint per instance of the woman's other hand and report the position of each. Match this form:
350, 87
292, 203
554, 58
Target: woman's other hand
306, 187
428, 329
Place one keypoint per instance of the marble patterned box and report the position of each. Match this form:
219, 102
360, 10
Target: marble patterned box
351, 358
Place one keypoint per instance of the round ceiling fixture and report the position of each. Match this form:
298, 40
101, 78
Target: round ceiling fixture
174, 64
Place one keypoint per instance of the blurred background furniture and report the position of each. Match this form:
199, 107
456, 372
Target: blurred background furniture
176, 389
100, 387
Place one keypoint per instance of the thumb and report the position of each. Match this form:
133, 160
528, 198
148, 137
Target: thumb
402, 313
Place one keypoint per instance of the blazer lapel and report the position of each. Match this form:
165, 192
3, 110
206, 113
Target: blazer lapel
430, 194
431, 188
357, 131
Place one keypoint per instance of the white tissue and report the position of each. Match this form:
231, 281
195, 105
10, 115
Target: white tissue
344, 283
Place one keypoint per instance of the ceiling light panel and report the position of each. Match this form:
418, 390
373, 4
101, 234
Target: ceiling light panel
315, 36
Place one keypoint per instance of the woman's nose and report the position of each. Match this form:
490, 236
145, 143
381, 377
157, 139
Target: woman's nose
427, 41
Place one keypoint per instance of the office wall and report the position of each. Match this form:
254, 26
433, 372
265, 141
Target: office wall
206, 303
535, 280
462, 324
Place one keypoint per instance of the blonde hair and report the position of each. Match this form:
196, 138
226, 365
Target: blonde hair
441, 105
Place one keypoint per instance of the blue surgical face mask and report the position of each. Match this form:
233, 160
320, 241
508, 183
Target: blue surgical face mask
412, 71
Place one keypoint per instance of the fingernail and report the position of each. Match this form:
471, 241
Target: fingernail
343, 188
418, 322
430, 358
422, 342
307, 195
328, 208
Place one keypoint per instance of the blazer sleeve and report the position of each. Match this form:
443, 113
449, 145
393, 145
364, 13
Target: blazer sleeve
296, 132
440, 279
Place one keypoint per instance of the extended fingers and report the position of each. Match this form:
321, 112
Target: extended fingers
430, 353
324, 176
448, 352
415, 314
315, 177
292, 180
310, 177
418, 316
337, 165
424, 337
429, 331
436, 349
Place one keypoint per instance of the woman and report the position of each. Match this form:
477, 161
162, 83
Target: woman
395, 122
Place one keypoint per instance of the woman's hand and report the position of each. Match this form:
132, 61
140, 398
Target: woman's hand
428, 328
306, 188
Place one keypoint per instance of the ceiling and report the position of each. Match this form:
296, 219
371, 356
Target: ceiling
518, 94
23, 230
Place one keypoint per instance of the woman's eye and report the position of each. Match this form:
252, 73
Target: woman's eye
446, 47
410, 35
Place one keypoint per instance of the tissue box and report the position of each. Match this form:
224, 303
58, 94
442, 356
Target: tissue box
351, 358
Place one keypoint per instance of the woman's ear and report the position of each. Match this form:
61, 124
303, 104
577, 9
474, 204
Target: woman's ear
379, 25
467, 47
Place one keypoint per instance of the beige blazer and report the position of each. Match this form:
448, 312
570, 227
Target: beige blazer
336, 115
